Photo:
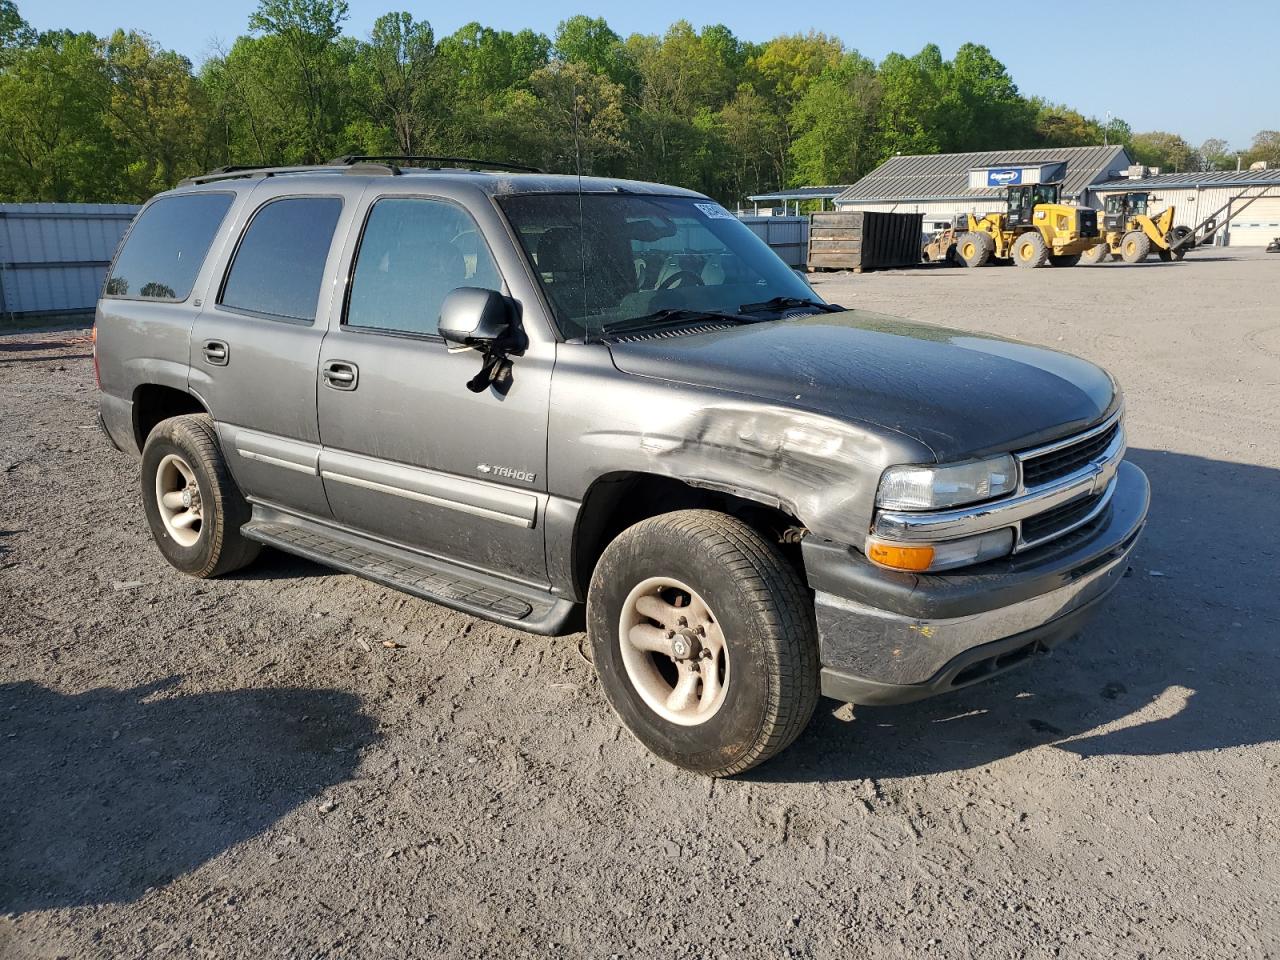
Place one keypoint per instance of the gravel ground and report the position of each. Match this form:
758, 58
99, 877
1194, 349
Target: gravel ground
291, 762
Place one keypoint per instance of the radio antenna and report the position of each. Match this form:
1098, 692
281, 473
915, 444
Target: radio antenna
577, 165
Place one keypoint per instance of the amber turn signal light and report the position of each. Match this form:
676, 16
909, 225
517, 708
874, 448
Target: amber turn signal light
915, 559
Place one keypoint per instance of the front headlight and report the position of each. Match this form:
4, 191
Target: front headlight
933, 488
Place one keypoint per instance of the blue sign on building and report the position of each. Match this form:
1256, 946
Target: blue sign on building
1004, 178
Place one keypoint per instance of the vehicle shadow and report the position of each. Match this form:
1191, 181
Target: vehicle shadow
1181, 658
110, 792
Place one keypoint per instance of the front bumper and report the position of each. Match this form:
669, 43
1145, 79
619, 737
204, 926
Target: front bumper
892, 637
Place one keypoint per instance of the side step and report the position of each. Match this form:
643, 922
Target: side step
478, 594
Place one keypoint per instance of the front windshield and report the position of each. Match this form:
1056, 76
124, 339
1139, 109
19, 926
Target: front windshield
606, 260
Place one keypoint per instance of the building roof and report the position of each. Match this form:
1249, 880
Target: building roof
1191, 180
945, 176
803, 193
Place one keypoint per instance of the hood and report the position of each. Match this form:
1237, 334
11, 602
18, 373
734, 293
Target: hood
961, 394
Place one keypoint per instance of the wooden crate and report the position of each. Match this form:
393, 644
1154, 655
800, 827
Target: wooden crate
864, 240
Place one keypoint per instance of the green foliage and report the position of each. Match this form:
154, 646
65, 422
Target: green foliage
1168, 151
1265, 147
118, 118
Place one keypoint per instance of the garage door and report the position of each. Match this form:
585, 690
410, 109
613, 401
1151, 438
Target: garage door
1258, 224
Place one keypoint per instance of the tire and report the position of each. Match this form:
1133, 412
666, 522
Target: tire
198, 534
750, 612
1176, 234
1135, 247
1165, 254
1029, 250
1064, 259
1095, 254
974, 249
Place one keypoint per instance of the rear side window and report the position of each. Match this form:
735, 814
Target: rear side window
166, 247
279, 267
413, 254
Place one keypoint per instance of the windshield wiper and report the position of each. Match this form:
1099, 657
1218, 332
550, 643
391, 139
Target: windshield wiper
670, 317
786, 303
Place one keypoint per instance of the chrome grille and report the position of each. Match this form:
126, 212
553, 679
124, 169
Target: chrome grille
1060, 460
1051, 523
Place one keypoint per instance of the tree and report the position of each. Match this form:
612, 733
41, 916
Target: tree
157, 112
15, 32
581, 117
837, 142
911, 116
1214, 154
787, 65
1057, 125
300, 63
53, 143
1265, 147
756, 143
1168, 151
589, 41
394, 76
986, 102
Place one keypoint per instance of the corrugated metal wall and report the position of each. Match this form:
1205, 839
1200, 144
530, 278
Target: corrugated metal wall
788, 236
54, 256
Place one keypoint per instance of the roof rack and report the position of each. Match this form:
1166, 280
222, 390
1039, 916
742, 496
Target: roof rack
468, 163
358, 164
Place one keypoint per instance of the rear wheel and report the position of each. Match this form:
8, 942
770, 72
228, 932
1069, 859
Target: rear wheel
1135, 247
194, 508
1095, 254
974, 249
1064, 259
704, 641
1029, 250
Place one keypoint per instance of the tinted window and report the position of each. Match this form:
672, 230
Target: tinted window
166, 247
412, 255
279, 267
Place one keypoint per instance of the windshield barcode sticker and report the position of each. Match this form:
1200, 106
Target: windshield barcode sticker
714, 211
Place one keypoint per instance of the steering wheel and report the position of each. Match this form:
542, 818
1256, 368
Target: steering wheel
682, 277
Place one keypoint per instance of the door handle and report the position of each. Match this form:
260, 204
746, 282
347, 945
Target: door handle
340, 375
217, 352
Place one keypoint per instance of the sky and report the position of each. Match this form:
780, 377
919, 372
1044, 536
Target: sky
1197, 69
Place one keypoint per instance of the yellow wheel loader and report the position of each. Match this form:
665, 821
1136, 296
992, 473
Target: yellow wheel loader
1130, 233
1035, 228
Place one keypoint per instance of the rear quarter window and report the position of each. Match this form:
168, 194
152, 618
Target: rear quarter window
166, 247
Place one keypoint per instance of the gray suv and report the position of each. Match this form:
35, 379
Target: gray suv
555, 402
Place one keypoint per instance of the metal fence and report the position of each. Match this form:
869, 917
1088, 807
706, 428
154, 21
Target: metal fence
788, 236
54, 256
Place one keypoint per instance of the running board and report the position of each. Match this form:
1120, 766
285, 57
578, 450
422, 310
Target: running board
468, 591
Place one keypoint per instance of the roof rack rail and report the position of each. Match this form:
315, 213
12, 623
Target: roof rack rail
234, 172
436, 162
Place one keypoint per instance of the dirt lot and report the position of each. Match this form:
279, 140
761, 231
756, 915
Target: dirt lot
295, 763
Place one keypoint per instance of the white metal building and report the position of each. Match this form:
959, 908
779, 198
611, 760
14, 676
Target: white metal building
945, 185
1246, 203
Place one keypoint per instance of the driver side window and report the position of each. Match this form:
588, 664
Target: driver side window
414, 253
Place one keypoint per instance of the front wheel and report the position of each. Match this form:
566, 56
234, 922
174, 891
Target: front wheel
193, 507
1064, 259
704, 641
1135, 247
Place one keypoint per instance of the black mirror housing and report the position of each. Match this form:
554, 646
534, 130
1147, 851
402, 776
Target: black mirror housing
474, 317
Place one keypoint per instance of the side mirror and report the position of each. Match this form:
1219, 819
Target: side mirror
474, 317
